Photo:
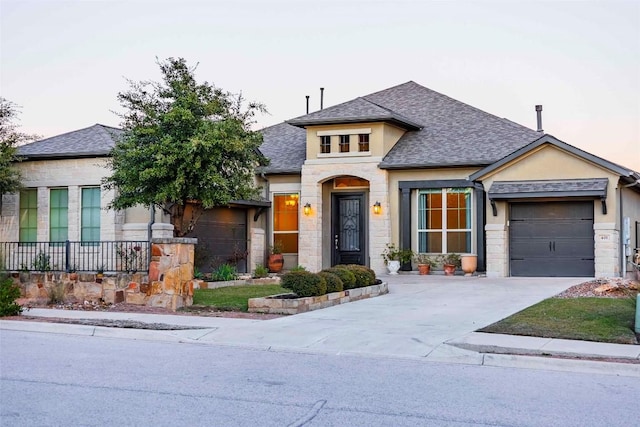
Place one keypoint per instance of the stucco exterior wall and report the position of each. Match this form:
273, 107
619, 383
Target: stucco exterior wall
631, 209
382, 137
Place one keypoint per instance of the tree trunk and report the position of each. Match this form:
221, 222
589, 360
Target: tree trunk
184, 217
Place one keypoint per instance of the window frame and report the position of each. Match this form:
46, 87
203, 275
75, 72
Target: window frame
445, 230
28, 205
345, 142
362, 144
325, 144
62, 209
294, 208
93, 210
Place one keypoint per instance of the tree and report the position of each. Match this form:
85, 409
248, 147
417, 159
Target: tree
10, 138
186, 147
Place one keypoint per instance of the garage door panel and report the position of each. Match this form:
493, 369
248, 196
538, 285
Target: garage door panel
551, 239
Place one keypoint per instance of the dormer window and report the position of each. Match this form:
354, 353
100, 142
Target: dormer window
344, 144
363, 142
325, 144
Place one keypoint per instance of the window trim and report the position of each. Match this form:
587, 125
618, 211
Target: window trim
345, 142
90, 242
325, 144
361, 143
444, 231
60, 208
30, 229
274, 232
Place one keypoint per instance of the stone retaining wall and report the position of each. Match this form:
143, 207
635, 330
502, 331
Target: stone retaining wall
274, 305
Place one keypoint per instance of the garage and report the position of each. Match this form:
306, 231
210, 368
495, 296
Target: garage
552, 239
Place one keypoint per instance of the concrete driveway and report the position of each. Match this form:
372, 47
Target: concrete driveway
416, 319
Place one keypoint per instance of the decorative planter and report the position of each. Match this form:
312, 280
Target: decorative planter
469, 264
276, 262
449, 269
424, 269
393, 267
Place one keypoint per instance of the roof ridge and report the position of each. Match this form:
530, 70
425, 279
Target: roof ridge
389, 110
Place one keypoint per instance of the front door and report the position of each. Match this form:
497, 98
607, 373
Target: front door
348, 229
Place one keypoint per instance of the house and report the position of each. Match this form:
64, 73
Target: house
405, 165
412, 166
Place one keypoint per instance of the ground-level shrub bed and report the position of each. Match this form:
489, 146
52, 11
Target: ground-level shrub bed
234, 298
334, 279
304, 283
347, 277
589, 319
334, 284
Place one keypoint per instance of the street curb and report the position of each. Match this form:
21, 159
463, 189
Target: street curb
563, 365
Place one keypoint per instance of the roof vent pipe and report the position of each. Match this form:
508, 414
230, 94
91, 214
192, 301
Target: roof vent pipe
321, 97
539, 115
307, 96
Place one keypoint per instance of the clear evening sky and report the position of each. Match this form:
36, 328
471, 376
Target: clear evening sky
64, 62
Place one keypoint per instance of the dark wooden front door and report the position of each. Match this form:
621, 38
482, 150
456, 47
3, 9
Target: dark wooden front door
348, 229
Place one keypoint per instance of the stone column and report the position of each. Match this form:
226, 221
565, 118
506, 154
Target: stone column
497, 250
607, 250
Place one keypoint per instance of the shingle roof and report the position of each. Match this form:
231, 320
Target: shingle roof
596, 187
96, 140
286, 148
451, 133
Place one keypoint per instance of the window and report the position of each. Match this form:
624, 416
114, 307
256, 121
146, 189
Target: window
285, 221
90, 215
444, 220
344, 143
363, 142
58, 215
325, 144
28, 216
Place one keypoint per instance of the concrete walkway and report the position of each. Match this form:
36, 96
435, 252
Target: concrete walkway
431, 317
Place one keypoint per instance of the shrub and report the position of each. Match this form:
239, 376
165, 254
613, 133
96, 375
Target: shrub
334, 283
260, 271
224, 272
56, 293
299, 268
9, 293
304, 283
347, 277
364, 275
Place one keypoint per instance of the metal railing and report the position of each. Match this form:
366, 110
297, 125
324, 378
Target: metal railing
107, 256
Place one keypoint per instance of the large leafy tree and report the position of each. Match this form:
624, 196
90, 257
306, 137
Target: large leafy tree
10, 138
186, 146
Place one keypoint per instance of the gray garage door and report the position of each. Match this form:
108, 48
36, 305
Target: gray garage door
552, 239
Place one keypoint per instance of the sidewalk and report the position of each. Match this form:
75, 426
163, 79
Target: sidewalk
436, 324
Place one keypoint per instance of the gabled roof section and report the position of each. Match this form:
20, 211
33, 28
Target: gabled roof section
360, 110
94, 141
286, 148
628, 175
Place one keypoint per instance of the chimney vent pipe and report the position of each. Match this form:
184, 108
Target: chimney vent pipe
321, 97
307, 96
539, 116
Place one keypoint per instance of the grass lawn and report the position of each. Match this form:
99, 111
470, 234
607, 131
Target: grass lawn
234, 298
589, 319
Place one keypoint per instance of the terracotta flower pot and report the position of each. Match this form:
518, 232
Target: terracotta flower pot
469, 264
276, 262
424, 269
449, 269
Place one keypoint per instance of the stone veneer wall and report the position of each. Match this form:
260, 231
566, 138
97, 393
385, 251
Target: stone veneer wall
497, 249
607, 247
169, 283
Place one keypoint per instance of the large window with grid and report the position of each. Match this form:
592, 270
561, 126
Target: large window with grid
285, 222
58, 214
444, 220
90, 215
28, 223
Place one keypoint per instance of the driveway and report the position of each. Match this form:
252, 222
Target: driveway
416, 319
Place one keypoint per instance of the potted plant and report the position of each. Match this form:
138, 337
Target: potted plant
425, 263
394, 257
276, 259
450, 262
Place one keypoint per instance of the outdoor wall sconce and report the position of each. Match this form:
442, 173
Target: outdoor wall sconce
307, 209
377, 208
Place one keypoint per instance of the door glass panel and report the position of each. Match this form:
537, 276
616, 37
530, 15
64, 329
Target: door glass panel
349, 225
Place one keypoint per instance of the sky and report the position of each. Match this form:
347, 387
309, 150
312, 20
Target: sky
64, 62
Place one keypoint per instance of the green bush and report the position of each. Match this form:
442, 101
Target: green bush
334, 283
9, 293
224, 272
304, 283
347, 277
364, 275
260, 271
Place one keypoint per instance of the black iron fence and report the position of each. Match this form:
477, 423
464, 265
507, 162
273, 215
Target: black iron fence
106, 256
